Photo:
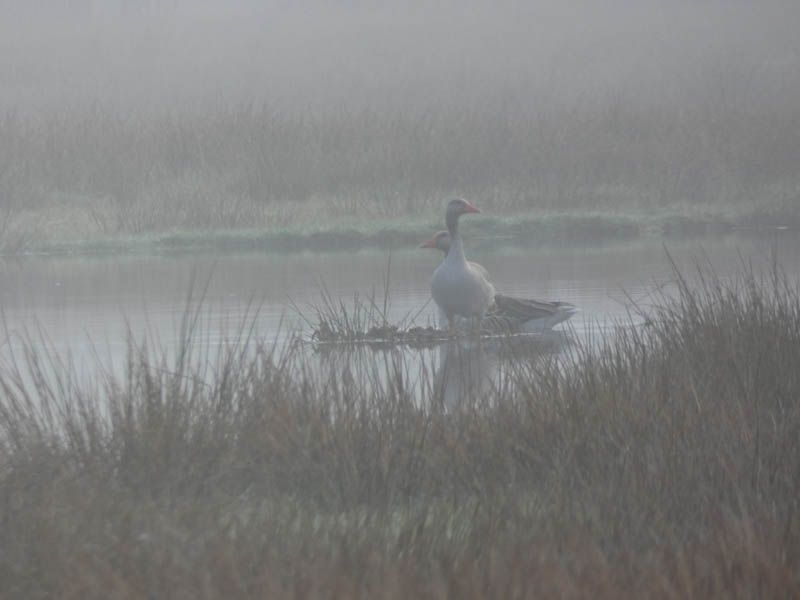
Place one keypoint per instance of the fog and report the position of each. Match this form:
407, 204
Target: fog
135, 117
232, 366
183, 56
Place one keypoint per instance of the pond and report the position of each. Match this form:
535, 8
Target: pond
84, 305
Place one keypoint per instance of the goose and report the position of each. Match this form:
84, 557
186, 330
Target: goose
508, 314
458, 287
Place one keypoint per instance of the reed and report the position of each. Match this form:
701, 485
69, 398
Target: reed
663, 463
94, 174
365, 320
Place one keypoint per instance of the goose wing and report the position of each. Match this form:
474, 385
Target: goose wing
529, 314
525, 310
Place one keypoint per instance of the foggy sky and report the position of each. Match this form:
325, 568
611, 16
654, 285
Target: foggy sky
189, 56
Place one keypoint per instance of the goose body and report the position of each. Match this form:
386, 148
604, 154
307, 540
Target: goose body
505, 313
461, 289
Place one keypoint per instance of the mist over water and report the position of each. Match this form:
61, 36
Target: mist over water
86, 307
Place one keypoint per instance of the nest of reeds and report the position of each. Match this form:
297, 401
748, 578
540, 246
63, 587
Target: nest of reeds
381, 334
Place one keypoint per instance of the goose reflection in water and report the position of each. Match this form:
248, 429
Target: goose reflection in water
469, 370
464, 374
457, 373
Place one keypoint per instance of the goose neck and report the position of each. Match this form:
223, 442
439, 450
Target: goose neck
451, 220
456, 253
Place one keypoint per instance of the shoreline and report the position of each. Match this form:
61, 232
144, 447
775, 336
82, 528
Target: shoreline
530, 229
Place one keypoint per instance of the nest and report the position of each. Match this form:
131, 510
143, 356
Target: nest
381, 335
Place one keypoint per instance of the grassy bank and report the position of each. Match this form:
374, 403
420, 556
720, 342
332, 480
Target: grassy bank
350, 233
663, 465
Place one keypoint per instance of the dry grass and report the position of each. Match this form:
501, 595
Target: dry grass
355, 115
364, 321
666, 464
257, 168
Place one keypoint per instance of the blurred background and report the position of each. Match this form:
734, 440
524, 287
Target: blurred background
125, 117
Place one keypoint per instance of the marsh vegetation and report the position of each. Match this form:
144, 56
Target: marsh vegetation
663, 464
657, 117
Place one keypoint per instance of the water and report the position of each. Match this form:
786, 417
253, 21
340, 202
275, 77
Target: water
83, 305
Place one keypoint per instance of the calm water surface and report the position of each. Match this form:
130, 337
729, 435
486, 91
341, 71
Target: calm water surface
84, 304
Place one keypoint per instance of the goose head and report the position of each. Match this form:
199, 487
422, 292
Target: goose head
456, 208
440, 241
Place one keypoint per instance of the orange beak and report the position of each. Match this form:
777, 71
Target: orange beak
469, 208
431, 243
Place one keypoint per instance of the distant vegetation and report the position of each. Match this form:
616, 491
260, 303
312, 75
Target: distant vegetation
664, 464
368, 118
95, 175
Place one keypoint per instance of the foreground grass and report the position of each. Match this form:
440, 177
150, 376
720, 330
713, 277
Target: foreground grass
664, 464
